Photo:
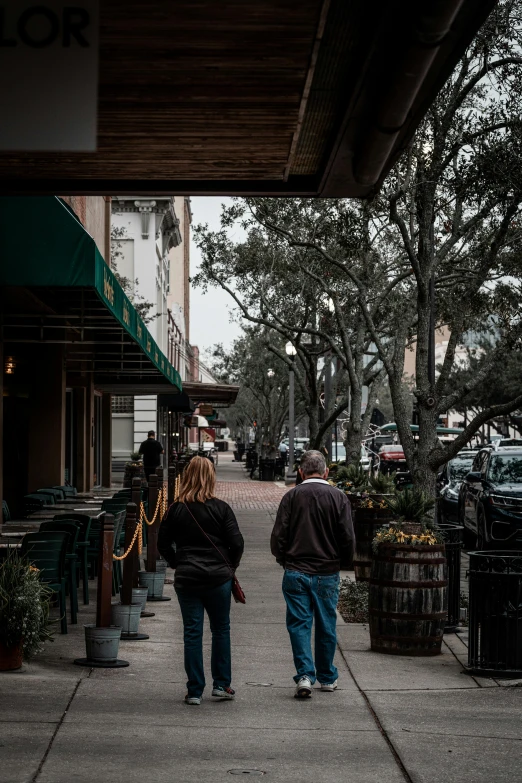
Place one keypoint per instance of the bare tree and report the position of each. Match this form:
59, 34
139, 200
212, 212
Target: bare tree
441, 243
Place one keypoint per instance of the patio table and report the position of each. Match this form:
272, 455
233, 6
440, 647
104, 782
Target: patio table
16, 525
63, 514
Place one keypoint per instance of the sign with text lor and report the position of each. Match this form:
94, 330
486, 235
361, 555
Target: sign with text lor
48, 75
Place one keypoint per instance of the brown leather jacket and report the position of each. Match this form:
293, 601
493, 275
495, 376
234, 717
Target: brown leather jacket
313, 531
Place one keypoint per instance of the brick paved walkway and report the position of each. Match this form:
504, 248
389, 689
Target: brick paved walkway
236, 488
259, 495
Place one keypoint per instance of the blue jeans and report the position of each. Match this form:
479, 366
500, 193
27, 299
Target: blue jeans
216, 602
310, 596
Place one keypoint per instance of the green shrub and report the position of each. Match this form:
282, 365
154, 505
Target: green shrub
353, 477
383, 484
24, 605
411, 504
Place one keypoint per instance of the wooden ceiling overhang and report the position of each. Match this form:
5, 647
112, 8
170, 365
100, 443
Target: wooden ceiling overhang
258, 97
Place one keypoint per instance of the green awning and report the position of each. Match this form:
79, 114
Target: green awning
415, 428
43, 245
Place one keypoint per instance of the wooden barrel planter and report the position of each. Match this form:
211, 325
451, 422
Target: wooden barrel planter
366, 522
355, 500
408, 601
134, 470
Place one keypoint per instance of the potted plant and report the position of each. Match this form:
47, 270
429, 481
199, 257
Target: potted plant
369, 515
24, 611
382, 484
134, 469
353, 480
408, 584
411, 508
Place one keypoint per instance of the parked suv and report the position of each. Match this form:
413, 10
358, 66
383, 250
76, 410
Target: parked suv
490, 499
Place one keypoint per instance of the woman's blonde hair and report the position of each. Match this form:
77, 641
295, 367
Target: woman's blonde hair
198, 481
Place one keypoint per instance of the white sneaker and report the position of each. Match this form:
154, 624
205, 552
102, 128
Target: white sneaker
330, 687
223, 693
194, 701
303, 688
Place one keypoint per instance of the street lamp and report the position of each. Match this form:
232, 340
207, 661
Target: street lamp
291, 351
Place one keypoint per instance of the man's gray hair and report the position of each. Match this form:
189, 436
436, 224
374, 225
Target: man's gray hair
313, 462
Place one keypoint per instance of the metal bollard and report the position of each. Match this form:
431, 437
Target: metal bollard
172, 475
453, 538
104, 592
102, 640
130, 569
136, 491
152, 530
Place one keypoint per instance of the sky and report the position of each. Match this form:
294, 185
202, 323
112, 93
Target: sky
209, 313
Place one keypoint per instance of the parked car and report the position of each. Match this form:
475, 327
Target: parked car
365, 461
393, 460
339, 455
448, 484
510, 442
490, 499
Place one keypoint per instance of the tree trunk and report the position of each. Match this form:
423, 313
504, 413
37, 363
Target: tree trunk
424, 477
353, 431
313, 425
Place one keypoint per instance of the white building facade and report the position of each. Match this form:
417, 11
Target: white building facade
145, 232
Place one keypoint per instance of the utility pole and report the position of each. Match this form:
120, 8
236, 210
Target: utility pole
327, 399
290, 475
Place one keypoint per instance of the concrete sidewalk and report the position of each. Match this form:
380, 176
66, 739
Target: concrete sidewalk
393, 719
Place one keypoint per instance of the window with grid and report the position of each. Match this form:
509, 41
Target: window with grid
122, 404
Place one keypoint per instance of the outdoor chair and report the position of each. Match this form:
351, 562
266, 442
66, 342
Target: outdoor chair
114, 506
5, 512
69, 491
120, 504
47, 552
71, 558
48, 495
34, 503
84, 523
123, 493
57, 493
126, 494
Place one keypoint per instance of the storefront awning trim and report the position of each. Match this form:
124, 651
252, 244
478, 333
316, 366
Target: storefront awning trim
61, 254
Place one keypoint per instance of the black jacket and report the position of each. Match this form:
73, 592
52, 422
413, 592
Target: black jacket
151, 450
188, 550
313, 531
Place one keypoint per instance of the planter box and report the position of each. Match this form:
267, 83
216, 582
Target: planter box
408, 601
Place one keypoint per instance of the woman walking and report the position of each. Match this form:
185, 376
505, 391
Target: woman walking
200, 538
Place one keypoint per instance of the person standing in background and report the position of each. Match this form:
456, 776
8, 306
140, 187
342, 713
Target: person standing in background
283, 450
151, 450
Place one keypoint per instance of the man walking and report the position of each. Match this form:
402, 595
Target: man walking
151, 450
283, 451
313, 539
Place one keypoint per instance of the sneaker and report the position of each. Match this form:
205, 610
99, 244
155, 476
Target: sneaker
304, 688
329, 687
223, 693
193, 700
